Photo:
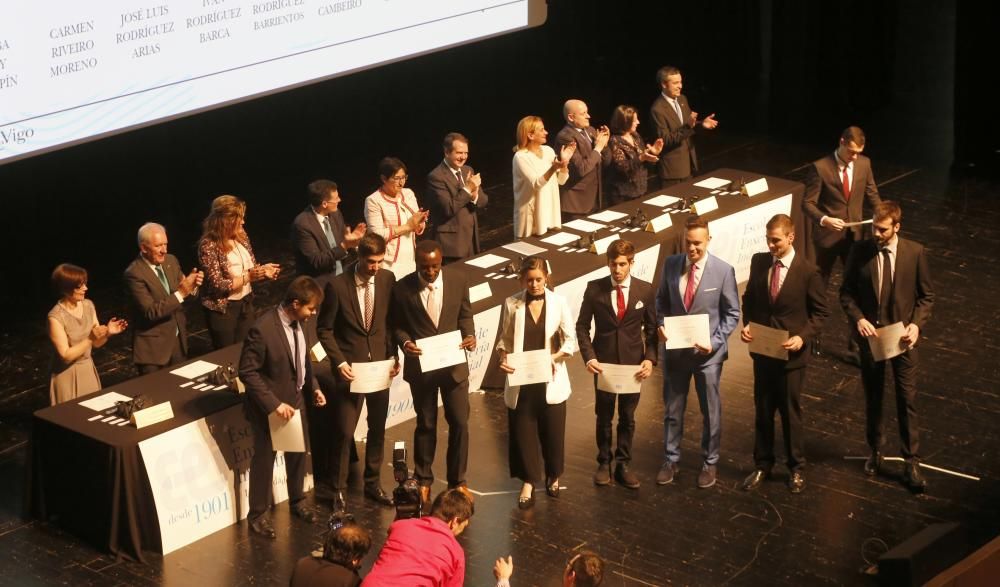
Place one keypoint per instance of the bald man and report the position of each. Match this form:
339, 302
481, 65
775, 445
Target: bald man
581, 194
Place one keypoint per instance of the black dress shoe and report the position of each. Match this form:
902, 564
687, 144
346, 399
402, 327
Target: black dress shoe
754, 480
914, 479
339, 503
873, 463
376, 493
300, 511
526, 503
625, 477
262, 527
796, 483
552, 487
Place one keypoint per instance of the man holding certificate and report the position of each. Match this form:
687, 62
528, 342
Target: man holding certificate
429, 308
887, 281
353, 328
624, 317
277, 373
784, 305
695, 285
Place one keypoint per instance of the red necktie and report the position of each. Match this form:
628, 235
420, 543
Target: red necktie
621, 304
691, 285
845, 181
775, 280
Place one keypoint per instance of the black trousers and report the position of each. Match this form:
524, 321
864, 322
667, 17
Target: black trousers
344, 410
455, 397
776, 389
604, 407
262, 467
232, 326
826, 257
904, 371
537, 436
176, 356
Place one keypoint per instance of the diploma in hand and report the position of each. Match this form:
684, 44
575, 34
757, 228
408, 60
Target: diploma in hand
767, 341
887, 343
287, 435
618, 378
371, 377
684, 331
438, 352
530, 367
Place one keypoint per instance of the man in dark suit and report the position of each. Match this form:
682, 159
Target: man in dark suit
696, 283
353, 327
785, 292
581, 194
675, 124
156, 292
426, 303
887, 280
455, 195
321, 241
836, 188
624, 317
277, 373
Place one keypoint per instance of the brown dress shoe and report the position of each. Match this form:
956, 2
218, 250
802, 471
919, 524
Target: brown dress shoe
262, 527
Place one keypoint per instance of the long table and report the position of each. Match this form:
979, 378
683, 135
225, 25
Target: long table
132, 491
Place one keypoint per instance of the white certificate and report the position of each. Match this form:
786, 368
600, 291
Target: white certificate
479, 292
530, 367
371, 377
713, 183
487, 261
438, 352
583, 225
662, 201
888, 344
767, 341
850, 224
105, 401
607, 216
561, 238
195, 369
684, 331
618, 378
524, 248
287, 435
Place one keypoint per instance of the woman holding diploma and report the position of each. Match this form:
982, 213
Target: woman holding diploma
534, 319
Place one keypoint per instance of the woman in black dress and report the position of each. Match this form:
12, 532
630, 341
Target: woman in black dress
626, 176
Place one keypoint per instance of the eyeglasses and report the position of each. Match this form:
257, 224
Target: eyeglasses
399, 178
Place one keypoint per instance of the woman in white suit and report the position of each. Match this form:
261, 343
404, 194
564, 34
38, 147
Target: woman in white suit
533, 319
538, 173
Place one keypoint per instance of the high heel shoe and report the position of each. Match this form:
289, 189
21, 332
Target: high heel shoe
525, 503
552, 487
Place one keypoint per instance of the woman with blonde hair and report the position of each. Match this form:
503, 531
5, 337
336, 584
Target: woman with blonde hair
75, 332
227, 259
533, 319
536, 195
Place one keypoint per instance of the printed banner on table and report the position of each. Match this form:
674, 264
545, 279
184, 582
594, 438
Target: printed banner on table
738, 237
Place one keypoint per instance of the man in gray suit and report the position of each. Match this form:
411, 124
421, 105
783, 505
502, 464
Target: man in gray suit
675, 124
455, 196
157, 289
581, 194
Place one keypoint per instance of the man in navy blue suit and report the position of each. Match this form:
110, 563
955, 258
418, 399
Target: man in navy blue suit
696, 282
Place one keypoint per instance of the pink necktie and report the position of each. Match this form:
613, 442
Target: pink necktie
691, 285
433, 311
775, 280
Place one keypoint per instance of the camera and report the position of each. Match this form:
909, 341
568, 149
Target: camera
407, 492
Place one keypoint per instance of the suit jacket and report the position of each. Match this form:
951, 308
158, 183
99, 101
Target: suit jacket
559, 336
716, 295
154, 315
628, 342
825, 197
341, 323
267, 366
313, 254
912, 290
582, 191
678, 159
410, 320
800, 307
453, 213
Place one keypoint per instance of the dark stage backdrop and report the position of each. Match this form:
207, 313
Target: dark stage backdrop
771, 66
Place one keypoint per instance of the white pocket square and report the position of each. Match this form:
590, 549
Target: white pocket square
711, 289
639, 305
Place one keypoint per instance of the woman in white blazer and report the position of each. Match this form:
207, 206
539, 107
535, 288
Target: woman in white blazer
533, 319
392, 212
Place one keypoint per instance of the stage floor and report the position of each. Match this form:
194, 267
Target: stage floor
677, 534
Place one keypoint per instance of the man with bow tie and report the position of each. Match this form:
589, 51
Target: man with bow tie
455, 196
621, 307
